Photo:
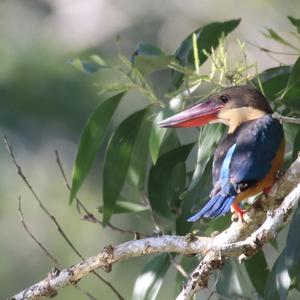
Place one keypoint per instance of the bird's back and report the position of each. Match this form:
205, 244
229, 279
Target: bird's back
257, 144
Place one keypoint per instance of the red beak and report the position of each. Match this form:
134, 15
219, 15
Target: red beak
197, 115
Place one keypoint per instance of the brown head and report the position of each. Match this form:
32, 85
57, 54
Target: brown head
232, 106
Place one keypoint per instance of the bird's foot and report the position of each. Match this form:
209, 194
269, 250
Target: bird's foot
238, 214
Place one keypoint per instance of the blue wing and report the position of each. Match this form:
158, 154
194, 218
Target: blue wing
256, 148
248, 160
220, 203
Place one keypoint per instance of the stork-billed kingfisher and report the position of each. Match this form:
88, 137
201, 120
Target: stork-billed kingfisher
250, 154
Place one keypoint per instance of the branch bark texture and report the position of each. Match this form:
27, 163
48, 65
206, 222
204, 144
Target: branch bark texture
264, 220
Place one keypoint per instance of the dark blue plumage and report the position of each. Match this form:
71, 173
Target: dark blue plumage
248, 157
242, 159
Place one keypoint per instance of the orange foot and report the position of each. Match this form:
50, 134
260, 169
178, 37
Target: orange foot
238, 212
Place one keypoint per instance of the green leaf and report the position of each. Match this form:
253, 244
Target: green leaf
292, 92
295, 22
207, 39
140, 158
148, 283
188, 264
272, 34
209, 137
217, 224
296, 145
193, 200
148, 58
163, 187
258, 279
200, 185
158, 134
278, 282
170, 142
91, 139
233, 282
292, 251
117, 160
291, 132
273, 81
85, 66
126, 207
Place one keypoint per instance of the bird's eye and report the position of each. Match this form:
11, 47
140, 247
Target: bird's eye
224, 98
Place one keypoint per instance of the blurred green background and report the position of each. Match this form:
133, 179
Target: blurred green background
45, 102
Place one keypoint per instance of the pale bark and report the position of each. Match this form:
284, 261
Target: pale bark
265, 218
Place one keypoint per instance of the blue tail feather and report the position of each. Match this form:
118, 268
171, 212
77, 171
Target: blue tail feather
217, 206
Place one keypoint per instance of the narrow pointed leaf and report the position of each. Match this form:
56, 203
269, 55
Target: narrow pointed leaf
126, 207
117, 160
129, 207
273, 81
272, 34
200, 186
295, 22
291, 94
161, 184
140, 156
259, 279
296, 145
293, 247
188, 264
148, 58
85, 66
232, 282
158, 134
278, 282
148, 283
209, 138
193, 200
91, 139
207, 39
292, 138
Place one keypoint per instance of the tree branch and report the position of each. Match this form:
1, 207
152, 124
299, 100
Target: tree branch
290, 120
264, 220
52, 217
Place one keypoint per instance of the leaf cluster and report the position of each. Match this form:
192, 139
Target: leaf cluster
153, 162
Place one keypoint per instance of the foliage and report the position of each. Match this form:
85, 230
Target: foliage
154, 161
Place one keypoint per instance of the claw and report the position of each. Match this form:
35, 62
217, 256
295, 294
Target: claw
238, 212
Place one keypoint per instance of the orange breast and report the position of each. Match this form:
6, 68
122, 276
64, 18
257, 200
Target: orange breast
268, 180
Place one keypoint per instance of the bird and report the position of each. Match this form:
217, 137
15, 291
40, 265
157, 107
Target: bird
248, 156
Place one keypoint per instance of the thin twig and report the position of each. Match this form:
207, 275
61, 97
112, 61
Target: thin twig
178, 267
156, 226
55, 260
213, 289
88, 294
263, 223
286, 119
88, 215
281, 63
45, 210
271, 51
42, 206
22, 220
